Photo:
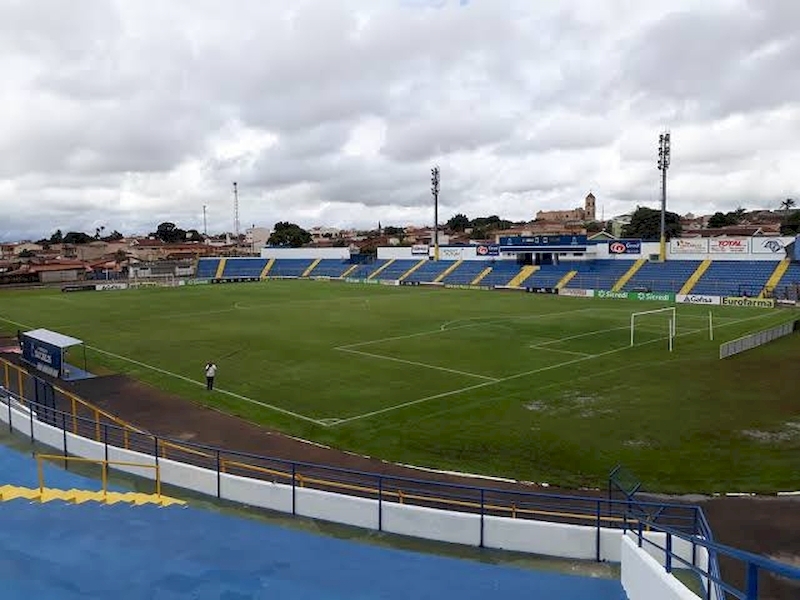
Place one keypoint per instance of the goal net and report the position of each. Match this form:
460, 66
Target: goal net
652, 325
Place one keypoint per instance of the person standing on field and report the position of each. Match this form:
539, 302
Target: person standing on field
211, 372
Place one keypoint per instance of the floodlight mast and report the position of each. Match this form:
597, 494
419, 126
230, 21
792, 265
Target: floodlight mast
435, 193
664, 153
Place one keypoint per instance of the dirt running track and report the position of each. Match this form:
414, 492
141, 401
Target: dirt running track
765, 525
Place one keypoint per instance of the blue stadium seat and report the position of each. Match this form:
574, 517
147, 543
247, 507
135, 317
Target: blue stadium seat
397, 269
430, 271
663, 277
290, 267
207, 268
466, 272
735, 278
548, 275
331, 267
598, 274
503, 271
788, 287
243, 267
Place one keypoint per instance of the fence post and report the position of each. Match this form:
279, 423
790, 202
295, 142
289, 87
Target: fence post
640, 534
752, 581
597, 541
294, 489
105, 439
483, 510
668, 556
64, 438
380, 503
8, 403
155, 448
219, 476
30, 414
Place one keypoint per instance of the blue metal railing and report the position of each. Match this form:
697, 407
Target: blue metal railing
754, 564
682, 521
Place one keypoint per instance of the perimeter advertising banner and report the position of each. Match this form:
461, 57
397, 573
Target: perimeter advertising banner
698, 299
655, 296
749, 302
45, 357
729, 245
576, 293
488, 250
688, 246
625, 247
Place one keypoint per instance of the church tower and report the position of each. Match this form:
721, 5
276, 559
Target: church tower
590, 208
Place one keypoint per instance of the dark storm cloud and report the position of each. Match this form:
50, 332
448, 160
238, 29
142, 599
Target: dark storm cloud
130, 112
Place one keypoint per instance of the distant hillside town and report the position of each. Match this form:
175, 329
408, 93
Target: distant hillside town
172, 250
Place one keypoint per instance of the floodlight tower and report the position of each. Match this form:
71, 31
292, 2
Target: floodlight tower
663, 164
435, 193
205, 222
236, 212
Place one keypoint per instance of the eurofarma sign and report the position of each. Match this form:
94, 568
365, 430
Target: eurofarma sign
749, 302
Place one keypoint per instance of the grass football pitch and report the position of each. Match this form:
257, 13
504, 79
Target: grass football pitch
534, 387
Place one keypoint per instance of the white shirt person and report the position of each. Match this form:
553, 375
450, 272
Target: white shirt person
211, 372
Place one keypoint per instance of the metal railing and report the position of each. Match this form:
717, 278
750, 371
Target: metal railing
753, 564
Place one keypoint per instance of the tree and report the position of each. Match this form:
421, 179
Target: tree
114, 237
289, 234
77, 237
169, 233
393, 231
120, 256
594, 227
458, 222
646, 224
791, 223
719, 219
57, 237
788, 205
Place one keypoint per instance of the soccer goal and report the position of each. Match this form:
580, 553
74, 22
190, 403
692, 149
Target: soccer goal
655, 321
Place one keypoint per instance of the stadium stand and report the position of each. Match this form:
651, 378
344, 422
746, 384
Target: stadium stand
788, 288
290, 267
466, 272
396, 269
735, 278
243, 267
502, 273
662, 277
331, 267
598, 274
429, 271
207, 267
366, 269
548, 275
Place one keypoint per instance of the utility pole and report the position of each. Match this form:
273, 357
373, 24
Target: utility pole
236, 212
435, 192
205, 223
664, 153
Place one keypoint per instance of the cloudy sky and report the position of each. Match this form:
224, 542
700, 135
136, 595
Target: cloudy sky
331, 112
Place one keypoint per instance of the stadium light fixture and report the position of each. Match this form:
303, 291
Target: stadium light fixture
435, 193
664, 153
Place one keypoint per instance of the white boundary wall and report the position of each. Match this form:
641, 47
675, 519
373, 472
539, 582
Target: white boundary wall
642, 569
338, 253
644, 577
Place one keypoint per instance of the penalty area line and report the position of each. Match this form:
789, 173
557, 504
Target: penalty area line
220, 390
415, 363
478, 386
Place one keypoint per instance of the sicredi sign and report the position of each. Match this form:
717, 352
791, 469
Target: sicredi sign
729, 246
609, 294
698, 299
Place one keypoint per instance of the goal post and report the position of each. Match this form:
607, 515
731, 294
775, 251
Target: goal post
671, 322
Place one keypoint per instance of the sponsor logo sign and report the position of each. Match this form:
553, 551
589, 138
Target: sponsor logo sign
100, 287
698, 299
689, 246
657, 296
749, 302
45, 357
729, 245
609, 294
420, 249
491, 250
198, 281
450, 252
769, 245
576, 293
625, 247
464, 286
541, 290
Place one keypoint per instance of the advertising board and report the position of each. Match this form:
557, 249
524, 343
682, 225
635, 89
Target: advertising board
541, 290
657, 296
609, 294
101, 287
769, 245
749, 302
698, 299
576, 293
488, 250
688, 246
45, 357
418, 249
729, 246
625, 247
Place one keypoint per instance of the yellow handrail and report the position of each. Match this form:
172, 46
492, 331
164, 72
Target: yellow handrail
40, 458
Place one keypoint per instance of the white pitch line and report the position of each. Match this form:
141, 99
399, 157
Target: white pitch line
519, 375
444, 326
546, 349
582, 335
415, 363
221, 391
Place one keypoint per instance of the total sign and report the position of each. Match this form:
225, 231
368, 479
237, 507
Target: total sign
729, 246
